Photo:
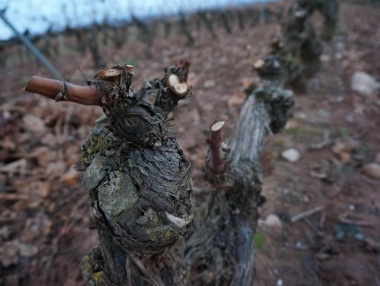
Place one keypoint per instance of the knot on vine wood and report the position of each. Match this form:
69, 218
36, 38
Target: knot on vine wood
140, 118
279, 102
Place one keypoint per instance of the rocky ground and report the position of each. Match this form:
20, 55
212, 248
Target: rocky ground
320, 224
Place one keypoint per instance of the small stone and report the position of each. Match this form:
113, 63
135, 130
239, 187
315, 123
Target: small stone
279, 282
272, 221
325, 58
364, 83
209, 83
349, 118
299, 245
292, 155
300, 115
340, 45
372, 170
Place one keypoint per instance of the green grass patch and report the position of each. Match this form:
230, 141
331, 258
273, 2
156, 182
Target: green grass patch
259, 239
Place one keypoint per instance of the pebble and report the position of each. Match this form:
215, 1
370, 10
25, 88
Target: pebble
349, 118
292, 155
372, 170
325, 58
364, 83
299, 245
209, 83
272, 221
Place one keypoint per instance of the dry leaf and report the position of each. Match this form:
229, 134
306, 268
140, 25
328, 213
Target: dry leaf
33, 124
236, 99
18, 166
42, 188
70, 178
44, 156
341, 151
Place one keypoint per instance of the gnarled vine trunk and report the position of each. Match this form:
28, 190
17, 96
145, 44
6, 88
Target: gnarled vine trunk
138, 178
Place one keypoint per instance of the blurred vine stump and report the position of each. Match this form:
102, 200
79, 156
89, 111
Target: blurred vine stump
222, 251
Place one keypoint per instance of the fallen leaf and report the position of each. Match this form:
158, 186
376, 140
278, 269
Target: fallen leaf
42, 188
33, 124
44, 156
18, 166
70, 178
341, 151
236, 99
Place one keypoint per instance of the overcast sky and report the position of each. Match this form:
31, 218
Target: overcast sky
39, 15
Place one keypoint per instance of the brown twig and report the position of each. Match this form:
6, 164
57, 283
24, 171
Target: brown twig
13, 197
62, 91
306, 213
345, 220
217, 162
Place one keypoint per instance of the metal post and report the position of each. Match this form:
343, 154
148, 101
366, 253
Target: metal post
43, 60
